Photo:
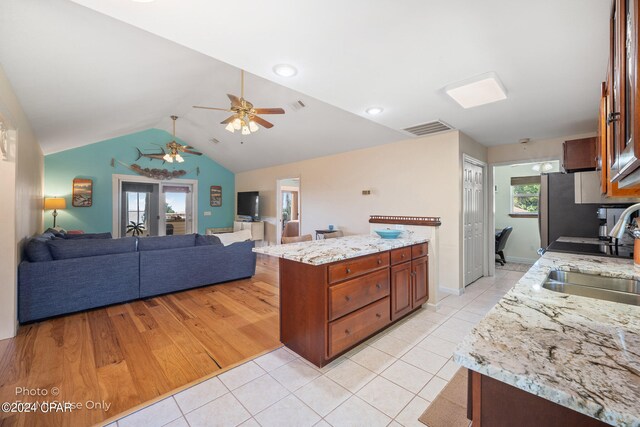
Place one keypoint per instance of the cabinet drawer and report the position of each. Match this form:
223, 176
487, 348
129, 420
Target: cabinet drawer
356, 293
400, 255
353, 328
419, 250
357, 267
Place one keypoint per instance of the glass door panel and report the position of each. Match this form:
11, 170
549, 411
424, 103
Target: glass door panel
139, 209
177, 207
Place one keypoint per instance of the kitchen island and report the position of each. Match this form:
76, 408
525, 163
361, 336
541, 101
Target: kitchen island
336, 293
541, 357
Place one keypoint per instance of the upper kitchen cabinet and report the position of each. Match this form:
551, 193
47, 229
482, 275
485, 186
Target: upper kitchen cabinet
579, 154
622, 121
606, 151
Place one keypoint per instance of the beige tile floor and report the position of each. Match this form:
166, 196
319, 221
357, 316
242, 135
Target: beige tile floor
387, 381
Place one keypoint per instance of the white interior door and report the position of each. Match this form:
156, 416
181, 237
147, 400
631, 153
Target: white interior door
473, 221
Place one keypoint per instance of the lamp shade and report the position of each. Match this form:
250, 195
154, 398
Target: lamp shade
54, 203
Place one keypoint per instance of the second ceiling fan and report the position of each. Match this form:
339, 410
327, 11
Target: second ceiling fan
245, 116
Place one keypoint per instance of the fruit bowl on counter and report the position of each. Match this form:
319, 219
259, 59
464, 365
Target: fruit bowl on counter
388, 233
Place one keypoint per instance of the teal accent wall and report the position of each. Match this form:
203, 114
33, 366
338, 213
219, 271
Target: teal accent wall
94, 162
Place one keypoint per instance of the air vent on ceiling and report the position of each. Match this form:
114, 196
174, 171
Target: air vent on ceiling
428, 128
298, 105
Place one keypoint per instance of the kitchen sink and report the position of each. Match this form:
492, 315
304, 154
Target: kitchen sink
626, 291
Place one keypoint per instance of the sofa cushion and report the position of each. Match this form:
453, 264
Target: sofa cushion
106, 235
166, 242
207, 240
37, 250
79, 248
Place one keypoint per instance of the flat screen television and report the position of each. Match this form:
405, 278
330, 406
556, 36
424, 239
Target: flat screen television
249, 204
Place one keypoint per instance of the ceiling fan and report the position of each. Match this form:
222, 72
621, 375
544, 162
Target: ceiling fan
245, 116
174, 149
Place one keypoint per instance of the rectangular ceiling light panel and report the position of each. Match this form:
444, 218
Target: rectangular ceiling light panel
480, 90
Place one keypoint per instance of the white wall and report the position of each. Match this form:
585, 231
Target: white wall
536, 149
524, 240
417, 176
21, 214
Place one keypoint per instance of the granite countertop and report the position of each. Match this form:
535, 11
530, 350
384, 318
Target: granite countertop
579, 352
324, 251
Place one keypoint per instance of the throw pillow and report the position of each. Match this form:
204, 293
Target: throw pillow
80, 248
37, 250
207, 240
237, 236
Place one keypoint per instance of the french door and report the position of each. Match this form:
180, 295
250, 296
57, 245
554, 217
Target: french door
146, 207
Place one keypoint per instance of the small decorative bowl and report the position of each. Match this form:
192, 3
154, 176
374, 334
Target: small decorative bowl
388, 234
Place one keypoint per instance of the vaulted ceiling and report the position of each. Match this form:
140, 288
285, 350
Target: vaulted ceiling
84, 74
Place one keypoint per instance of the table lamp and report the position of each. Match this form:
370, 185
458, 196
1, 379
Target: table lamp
54, 203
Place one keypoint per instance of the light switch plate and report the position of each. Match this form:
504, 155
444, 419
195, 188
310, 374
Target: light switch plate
207, 213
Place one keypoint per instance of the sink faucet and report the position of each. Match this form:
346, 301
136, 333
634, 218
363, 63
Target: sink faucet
618, 230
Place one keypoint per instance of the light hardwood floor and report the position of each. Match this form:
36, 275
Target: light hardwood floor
131, 353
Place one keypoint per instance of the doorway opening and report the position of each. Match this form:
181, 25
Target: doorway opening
148, 207
519, 204
474, 219
288, 208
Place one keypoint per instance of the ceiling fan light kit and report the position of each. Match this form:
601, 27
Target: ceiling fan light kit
174, 148
245, 116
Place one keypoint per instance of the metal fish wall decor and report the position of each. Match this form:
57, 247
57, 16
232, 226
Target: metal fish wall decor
155, 173
152, 156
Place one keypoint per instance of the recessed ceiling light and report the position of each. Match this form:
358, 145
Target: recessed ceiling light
285, 70
479, 90
374, 110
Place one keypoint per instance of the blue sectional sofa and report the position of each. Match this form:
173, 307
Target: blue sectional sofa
65, 275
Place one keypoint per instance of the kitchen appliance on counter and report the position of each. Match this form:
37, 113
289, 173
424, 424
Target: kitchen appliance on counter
559, 214
608, 216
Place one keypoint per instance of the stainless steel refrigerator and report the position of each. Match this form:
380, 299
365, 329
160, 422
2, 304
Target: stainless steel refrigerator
559, 214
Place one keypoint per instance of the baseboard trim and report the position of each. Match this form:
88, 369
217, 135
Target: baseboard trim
451, 291
521, 260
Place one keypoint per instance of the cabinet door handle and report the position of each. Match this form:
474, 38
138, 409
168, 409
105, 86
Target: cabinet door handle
347, 297
348, 271
403, 255
379, 261
347, 331
378, 315
378, 285
613, 117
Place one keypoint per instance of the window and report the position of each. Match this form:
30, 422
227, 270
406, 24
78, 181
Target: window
525, 195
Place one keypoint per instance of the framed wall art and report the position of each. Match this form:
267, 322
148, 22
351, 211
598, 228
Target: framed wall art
82, 193
215, 196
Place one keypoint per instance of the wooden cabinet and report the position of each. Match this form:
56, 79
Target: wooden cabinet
618, 148
327, 309
409, 283
401, 278
579, 154
494, 403
623, 92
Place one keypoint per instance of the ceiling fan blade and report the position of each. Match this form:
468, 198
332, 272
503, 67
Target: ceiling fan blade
195, 153
211, 108
262, 122
269, 110
228, 120
235, 101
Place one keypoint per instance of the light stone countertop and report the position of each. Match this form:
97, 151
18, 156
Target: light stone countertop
324, 251
579, 352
